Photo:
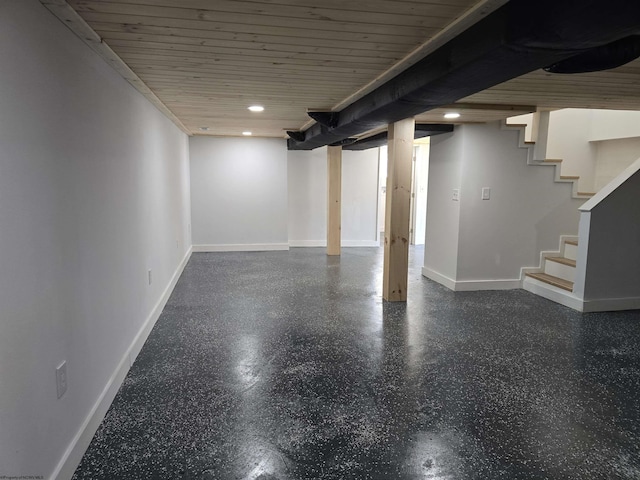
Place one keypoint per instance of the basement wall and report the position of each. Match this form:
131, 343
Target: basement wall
307, 174
476, 244
239, 193
94, 192
359, 198
613, 156
569, 135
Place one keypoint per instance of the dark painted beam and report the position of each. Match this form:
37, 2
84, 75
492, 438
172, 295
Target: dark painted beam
520, 37
421, 131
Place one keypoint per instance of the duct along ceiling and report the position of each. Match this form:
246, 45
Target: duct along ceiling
361, 64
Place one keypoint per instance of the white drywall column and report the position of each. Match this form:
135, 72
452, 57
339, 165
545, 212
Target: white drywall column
396, 231
540, 134
334, 185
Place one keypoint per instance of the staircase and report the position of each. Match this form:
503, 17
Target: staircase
554, 277
558, 268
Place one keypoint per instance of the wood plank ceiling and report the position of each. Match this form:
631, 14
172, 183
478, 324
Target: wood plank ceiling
206, 61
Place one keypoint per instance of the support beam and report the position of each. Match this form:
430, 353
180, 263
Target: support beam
334, 194
517, 38
396, 222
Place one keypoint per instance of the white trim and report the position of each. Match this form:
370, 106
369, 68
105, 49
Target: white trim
241, 247
471, 285
611, 304
438, 277
323, 243
555, 294
76, 449
307, 243
477, 285
360, 243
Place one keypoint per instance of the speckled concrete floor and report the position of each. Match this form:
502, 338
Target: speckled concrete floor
288, 365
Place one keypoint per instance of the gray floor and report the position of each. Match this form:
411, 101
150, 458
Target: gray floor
288, 365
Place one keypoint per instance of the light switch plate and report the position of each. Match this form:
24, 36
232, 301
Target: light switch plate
61, 379
486, 193
456, 194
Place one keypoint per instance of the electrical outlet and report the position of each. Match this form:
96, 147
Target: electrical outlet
456, 194
61, 379
486, 193
150, 277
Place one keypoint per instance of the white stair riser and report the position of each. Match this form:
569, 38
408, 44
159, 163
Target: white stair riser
570, 251
560, 270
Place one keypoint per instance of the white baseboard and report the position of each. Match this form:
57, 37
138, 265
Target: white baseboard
611, 304
476, 285
470, 285
344, 243
438, 277
76, 449
241, 247
360, 243
307, 243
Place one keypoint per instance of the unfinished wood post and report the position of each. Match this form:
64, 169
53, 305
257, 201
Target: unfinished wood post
334, 193
396, 222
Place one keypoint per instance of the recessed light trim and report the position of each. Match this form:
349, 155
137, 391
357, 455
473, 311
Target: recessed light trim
204, 129
247, 134
451, 115
256, 108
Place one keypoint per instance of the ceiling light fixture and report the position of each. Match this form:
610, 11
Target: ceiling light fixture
256, 108
204, 129
451, 115
247, 134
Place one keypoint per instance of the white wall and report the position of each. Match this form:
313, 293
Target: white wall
569, 135
94, 186
613, 156
527, 120
577, 136
526, 214
421, 175
307, 174
383, 161
239, 193
308, 197
443, 213
360, 198
477, 243
614, 124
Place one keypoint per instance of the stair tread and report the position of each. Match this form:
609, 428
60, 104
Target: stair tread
570, 177
586, 194
551, 280
552, 160
563, 260
572, 242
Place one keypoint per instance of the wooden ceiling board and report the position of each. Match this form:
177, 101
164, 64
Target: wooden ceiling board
207, 61
618, 88
203, 62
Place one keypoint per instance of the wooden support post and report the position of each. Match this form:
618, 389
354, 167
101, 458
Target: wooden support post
334, 181
396, 222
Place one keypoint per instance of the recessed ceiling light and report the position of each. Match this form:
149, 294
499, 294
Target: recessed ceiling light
452, 115
246, 134
256, 108
204, 129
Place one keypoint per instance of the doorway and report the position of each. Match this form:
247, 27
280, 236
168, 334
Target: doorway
419, 184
